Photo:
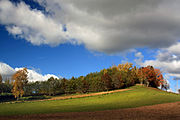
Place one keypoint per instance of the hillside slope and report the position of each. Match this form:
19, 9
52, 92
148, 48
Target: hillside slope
167, 111
136, 97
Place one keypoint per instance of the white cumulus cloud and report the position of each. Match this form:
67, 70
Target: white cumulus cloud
34, 76
139, 58
168, 60
108, 26
14, 30
6, 71
31, 24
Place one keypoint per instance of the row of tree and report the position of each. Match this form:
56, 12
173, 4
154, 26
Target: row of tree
5, 87
115, 77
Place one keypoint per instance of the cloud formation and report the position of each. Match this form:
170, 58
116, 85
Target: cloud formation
6, 71
31, 24
108, 26
34, 76
112, 26
168, 60
139, 58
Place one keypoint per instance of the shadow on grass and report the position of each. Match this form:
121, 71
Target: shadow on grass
8, 97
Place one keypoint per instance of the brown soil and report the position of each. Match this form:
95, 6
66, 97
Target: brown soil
168, 111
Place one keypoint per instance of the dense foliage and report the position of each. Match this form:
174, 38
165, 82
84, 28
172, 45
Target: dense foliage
115, 77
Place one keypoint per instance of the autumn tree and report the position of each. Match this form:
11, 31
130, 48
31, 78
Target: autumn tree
82, 85
134, 74
126, 74
97, 84
141, 76
159, 77
64, 84
115, 77
19, 81
106, 79
150, 76
117, 81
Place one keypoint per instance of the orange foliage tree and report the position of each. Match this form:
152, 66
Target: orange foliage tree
19, 80
150, 76
160, 79
141, 75
159, 76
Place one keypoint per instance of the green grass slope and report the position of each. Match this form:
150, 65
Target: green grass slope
136, 97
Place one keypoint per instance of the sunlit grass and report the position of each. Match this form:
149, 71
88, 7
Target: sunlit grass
137, 96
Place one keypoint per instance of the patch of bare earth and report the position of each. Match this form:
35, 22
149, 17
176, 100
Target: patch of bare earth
80, 96
75, 96
168, 111
87, 95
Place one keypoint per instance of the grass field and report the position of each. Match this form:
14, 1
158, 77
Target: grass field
136, 97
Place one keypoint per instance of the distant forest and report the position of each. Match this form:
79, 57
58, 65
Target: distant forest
115, 77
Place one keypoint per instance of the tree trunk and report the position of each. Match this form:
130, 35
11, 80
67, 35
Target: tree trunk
17, 98
147, 84
141, 82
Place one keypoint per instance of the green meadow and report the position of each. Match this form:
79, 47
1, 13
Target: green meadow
136, 97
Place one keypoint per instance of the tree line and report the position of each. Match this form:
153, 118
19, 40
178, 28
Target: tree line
115, 77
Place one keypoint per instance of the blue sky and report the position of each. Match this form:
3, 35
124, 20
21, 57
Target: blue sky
66, 60
73, 38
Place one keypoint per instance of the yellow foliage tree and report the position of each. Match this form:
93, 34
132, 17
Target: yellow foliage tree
19, 80
125, 67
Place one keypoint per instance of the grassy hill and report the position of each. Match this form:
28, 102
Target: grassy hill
136, 97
